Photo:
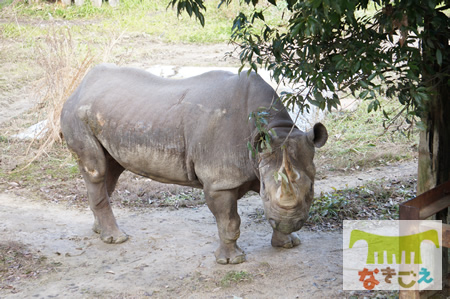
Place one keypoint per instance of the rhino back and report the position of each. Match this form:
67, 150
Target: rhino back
192, 131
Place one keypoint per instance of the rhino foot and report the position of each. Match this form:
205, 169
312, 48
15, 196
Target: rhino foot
229, 254
286, 241
114, 239
96, 227
115, 236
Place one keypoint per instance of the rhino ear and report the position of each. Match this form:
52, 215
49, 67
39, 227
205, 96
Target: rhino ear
318, 135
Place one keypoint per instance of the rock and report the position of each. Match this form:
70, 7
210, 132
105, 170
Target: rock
36, 131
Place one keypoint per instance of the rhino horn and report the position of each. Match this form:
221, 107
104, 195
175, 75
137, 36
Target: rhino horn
286, 196
291, 173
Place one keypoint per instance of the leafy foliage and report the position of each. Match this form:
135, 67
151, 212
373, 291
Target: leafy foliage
374, 201
328, 49
191, 6
264, 138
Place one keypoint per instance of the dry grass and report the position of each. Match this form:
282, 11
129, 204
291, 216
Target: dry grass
63, 68
57, 56
357, 140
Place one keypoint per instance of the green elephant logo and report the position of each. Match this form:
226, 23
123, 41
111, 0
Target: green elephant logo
394, 246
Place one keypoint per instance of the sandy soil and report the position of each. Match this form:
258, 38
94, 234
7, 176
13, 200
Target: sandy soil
170, 252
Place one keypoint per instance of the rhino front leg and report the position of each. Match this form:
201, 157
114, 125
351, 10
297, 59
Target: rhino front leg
223, 204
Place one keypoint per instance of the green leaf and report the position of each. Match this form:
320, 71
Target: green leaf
373, 106
363, 94
295, 30
189, 8
363, 84
356, 67
273, 132
278, 176
316, 3
370, 78
421, 126
240, 68
201, 18
439, 56
319, 97
432, 4
267, 142
251, 149
329, 84
340, 64
424, 96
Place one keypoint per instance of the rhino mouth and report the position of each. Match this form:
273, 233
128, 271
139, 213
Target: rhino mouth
286, 227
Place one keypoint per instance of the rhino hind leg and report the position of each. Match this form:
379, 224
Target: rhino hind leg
223, 204
100, 174
113, 172
286, 241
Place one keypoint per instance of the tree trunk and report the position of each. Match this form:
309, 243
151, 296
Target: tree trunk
434, 156
434, 146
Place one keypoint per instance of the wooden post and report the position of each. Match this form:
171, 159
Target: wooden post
433, 202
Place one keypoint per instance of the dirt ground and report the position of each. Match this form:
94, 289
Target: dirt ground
171, 252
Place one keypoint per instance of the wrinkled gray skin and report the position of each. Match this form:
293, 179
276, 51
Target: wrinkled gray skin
191, 132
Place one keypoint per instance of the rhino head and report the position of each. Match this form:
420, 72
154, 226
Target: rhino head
287, 177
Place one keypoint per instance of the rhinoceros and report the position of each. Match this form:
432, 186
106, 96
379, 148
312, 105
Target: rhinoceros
192, 132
